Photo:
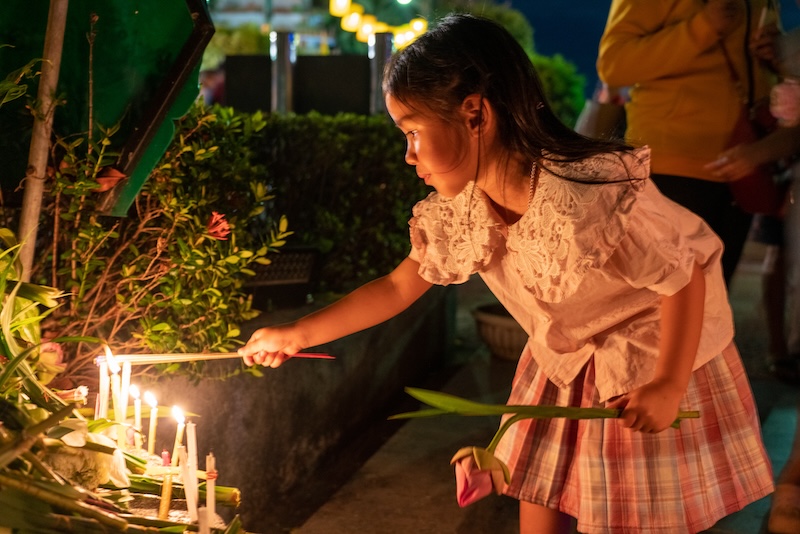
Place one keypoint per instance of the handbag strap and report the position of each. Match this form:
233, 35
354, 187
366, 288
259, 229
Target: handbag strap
746, 95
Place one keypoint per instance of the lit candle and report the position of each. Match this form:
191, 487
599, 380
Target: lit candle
150, 399
177, 413
101, 406
166, 497
211, 482
137, 417
116, 401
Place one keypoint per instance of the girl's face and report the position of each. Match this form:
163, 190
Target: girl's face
442, 152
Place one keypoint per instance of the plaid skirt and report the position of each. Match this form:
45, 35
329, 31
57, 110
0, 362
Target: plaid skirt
614, 480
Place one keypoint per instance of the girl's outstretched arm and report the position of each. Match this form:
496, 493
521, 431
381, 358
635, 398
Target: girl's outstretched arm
654, 406
369, 305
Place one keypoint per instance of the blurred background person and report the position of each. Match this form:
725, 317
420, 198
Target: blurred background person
784, 516
212, 86
683, 102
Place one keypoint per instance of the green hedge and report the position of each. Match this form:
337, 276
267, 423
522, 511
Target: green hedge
344, 186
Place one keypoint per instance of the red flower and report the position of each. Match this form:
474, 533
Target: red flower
218, 227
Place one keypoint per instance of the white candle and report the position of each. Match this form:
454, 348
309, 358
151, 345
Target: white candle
191, 483
137, 417
124, 390
150, 399
211, 482
191, 443
189, 476
116, 401
177, 413
101, 407
202, 521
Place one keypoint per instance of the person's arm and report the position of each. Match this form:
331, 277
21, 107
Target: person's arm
369, 305
741, 160
654, 406
640, 44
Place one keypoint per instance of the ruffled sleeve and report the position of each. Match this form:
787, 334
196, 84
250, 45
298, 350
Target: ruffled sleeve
453, 238
664, 242
573, 227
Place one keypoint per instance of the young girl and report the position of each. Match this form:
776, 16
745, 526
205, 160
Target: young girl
620, 290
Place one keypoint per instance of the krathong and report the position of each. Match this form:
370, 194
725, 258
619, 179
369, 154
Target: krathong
478, 472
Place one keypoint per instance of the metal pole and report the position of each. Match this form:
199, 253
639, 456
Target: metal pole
40, 140
379, 54
282, 56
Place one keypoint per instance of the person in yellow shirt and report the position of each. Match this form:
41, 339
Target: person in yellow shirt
683, 100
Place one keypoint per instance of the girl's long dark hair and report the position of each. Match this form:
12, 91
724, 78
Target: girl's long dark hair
465, 55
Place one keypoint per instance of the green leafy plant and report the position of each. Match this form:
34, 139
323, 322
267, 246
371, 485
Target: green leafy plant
170, 276
22, 309
13, 86
345, 183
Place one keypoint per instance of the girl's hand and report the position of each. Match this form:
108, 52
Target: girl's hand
650, 408
272, 346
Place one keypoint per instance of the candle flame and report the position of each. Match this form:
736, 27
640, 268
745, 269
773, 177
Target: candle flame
133, 391
113, 366
177, 413
150, 399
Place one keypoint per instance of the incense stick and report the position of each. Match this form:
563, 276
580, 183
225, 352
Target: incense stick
152, 359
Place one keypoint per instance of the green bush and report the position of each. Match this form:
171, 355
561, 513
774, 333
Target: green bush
164, 279
346, 189
563, 86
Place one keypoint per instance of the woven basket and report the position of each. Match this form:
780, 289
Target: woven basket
501, 332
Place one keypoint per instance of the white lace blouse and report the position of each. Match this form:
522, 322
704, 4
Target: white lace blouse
584, 268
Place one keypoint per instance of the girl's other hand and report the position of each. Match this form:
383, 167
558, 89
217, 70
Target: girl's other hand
272, 346
650, 408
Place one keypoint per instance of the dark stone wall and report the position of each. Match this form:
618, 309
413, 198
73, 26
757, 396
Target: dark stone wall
269, 434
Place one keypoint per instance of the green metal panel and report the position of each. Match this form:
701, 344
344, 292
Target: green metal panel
144, 71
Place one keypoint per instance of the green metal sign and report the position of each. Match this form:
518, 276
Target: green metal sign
139, 60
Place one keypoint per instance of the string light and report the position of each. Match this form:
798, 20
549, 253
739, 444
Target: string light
365, 26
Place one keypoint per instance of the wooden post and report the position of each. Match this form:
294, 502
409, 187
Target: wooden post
40, 140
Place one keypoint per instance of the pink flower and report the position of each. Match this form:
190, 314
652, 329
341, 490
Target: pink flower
218, 227
785, 103
478, 473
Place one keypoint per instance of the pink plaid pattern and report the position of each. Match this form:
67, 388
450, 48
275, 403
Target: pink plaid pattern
617, 481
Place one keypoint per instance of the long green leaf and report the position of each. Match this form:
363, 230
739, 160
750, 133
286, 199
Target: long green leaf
420, 413
456, 405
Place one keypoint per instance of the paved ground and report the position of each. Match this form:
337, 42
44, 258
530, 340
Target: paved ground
407, 485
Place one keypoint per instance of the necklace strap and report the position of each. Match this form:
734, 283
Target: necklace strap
534, 180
